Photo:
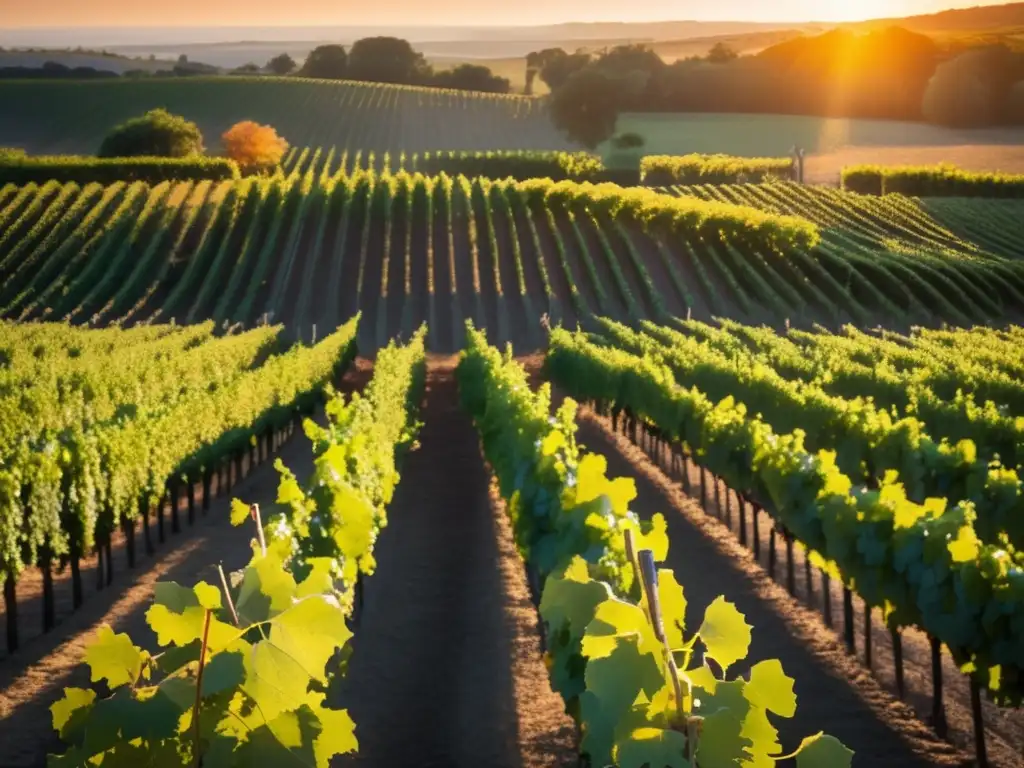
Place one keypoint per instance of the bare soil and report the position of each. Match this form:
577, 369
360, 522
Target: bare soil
446, 668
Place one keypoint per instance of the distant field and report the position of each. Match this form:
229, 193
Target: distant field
66, 117
830, 143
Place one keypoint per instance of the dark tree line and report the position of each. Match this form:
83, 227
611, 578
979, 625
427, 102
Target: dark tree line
388, 60
885, 74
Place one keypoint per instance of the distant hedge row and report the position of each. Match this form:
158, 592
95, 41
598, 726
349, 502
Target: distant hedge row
516, 164
930, 181
25, 169
666, 170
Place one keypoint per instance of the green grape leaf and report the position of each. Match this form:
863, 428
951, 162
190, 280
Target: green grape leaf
572, 599
721, 744
590, 477
310, 632
174, 597
673, 607
185, 628
274, 680
239, 512
614, 683
353, 532
319, 580
651, 747
267, 589
70, 712
823, 751
771, 689
114, 658
226, 670
964, 548
338, 736
654, 537
763, 737
285, 739
725, 633
208, 596
614, 619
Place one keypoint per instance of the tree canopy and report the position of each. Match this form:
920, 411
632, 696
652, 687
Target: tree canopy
158, 133
387, 60
283, 64
253, 146
328, 62
472, 77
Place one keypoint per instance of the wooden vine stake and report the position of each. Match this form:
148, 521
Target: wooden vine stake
649, 579
254, 510
197, 751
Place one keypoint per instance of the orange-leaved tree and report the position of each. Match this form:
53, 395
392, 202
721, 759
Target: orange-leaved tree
253, 146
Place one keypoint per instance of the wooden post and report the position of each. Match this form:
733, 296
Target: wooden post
867, 635
49, 608
172, 492
790, 565
76, 573
128, 526
938, 705
207, 488
99, 566
756, 509
11, 609
771, 553
107, 546
147, 536
728, 508
703, 490
851, 645
743, 519
808, 577
826, 598
980, 752
160, 519
897, 660
191, 491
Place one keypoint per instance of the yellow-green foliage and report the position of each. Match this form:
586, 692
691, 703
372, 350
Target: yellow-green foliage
931, 181
683, 216
665, 170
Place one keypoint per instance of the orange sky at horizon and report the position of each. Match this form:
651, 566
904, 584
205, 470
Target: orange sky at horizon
194, 13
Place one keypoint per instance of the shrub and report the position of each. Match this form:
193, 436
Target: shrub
253, 146
865, 179
84, 170
931, 181
745, 226
666, 170
158, 133
516, 164
628, 141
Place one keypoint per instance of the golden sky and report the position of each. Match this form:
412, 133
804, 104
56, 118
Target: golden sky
192, 13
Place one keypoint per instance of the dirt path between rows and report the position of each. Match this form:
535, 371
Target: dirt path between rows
834, 693
446, 668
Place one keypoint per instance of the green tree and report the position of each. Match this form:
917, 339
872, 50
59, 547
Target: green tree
472, 77
158, 133
328, 62
721, 53
586, 108
387, 60
283, 64
555, 66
